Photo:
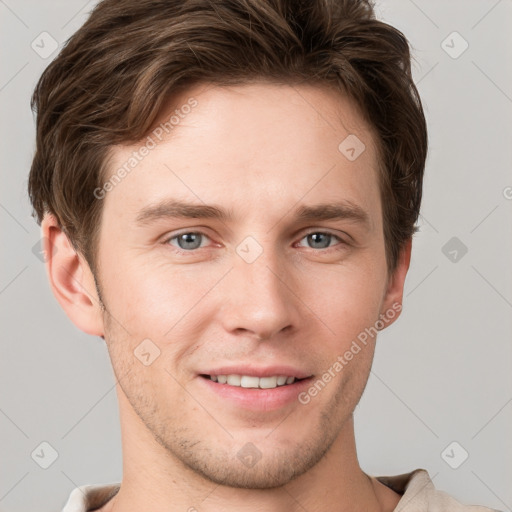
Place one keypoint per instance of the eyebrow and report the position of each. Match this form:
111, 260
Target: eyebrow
172, 208
347, 210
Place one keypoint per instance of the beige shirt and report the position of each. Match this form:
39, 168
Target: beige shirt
416, 488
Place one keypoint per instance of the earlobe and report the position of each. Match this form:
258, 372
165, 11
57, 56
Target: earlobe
71, 279
392, 304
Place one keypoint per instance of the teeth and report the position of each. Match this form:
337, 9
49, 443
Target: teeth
248, 381
268, 382
234, 380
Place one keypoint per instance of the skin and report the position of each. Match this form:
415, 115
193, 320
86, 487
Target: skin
259, 150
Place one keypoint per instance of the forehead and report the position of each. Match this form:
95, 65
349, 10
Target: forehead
263, 111
253, 146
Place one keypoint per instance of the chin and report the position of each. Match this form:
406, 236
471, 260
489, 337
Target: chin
264, 475
248, 468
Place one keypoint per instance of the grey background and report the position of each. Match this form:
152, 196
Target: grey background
441, 374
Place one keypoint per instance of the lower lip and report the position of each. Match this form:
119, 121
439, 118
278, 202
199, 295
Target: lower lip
255, 398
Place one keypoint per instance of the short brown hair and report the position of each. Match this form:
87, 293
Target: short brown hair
111, 80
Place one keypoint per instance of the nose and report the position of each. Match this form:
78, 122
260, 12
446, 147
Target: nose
260, 299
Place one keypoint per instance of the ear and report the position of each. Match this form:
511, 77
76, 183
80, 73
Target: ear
71, 279
392, 303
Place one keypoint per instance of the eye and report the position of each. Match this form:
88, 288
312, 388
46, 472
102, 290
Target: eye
320, 240
188, 241
191, 240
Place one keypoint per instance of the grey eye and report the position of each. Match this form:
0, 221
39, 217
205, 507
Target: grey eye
188, 241
319, 240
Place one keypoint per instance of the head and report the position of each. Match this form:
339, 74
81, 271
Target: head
295, 136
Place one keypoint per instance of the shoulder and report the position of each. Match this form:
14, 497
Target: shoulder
420, 495
90, 497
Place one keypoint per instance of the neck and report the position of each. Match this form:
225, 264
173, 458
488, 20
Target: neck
154, 479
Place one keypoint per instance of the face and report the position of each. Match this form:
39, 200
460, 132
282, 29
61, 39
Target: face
245, 247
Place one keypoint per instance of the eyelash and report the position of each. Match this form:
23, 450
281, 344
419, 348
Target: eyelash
178, 250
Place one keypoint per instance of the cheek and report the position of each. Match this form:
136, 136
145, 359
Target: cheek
345, 300
347, 309
173, 304
163, 302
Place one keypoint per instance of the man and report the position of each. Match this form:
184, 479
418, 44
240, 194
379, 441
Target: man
228, 192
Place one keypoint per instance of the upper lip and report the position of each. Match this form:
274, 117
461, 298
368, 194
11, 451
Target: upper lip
254, 371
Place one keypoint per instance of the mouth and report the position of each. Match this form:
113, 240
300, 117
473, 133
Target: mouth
254, 388
253, 381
